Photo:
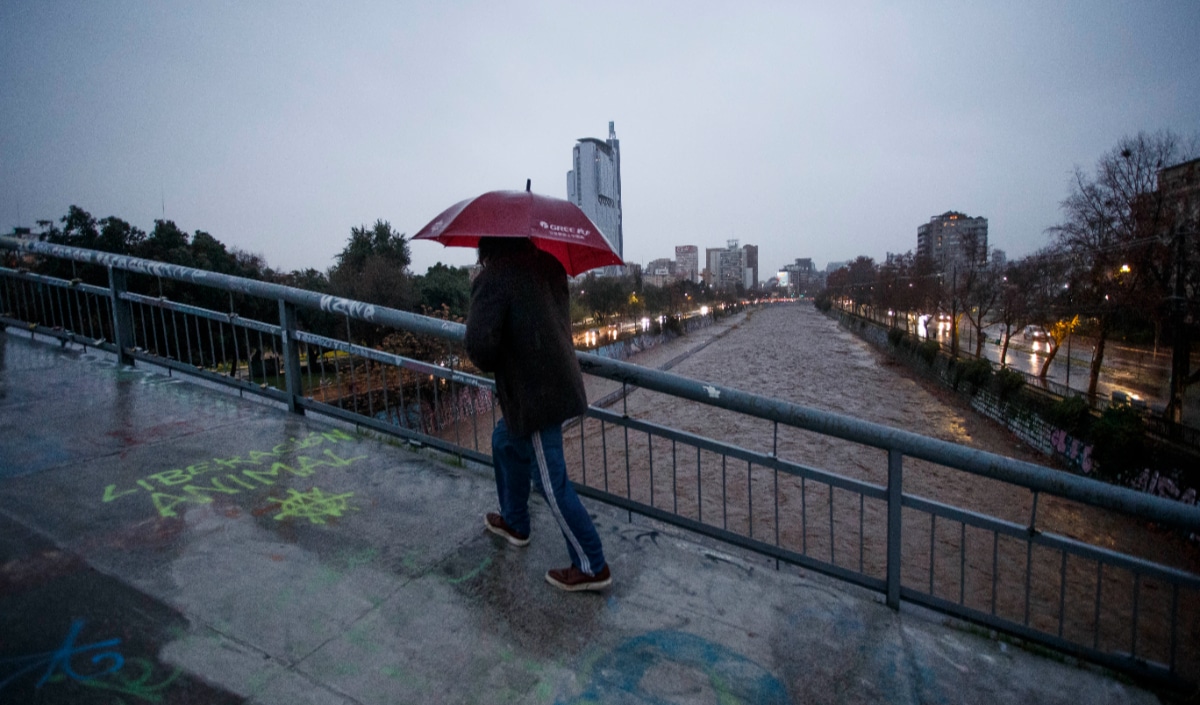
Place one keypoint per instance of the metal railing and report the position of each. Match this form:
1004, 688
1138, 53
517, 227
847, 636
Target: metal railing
998, 564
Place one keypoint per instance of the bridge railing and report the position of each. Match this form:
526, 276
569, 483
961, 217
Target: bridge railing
735, 466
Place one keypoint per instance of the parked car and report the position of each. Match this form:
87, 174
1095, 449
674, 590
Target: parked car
1035, 333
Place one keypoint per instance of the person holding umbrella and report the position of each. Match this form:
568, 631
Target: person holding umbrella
519, 329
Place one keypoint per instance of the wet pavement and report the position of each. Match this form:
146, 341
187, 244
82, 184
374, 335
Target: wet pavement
162, 542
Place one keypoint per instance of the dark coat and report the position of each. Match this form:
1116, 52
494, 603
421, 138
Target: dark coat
519, 328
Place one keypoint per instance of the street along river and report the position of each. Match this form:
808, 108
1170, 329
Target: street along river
796, 354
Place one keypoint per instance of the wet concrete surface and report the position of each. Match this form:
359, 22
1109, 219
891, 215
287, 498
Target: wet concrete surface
162, 542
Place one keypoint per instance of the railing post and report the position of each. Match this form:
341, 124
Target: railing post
122, 316
894, 494
291, 357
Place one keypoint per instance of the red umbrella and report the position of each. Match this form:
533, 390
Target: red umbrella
555, 226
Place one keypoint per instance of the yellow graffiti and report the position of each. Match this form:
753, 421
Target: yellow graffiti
198, 493
167, 488
314, 505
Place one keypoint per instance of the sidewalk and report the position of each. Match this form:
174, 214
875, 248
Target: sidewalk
164, 542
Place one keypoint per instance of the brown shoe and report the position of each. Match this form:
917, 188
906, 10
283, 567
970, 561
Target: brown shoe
496, 524
575, 580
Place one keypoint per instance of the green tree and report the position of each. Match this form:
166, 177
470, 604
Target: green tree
373, 267
445, 286
166, 243
118, 236
308, 279
378, 242
210, 254
79, 229
604, 297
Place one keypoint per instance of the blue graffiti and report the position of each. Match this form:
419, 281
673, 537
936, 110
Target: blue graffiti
60, 660
632, 672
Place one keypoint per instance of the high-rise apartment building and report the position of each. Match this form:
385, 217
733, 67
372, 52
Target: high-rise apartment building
750, 276
952, 240
594, 184
730, 269
687, 262
730, 266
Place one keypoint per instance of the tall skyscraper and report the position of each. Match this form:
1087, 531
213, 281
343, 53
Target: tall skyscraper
594, 184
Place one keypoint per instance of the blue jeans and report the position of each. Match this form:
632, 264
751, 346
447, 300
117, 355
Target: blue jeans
538, 458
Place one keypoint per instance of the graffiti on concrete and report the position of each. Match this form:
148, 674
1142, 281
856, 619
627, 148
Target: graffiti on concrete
1075, 451
137, 679
644, 667
313, 505
1155, 483
1079, 454
200, 482
61, 660
105, 668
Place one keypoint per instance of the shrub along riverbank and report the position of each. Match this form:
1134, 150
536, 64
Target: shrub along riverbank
1112, 445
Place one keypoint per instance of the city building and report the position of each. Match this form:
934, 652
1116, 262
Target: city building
660, 267
594, 184
730, 266
712, 265
801, 276
750, 277
953, 240
1180, 186
687, 262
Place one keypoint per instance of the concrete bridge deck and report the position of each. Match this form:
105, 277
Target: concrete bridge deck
161, 542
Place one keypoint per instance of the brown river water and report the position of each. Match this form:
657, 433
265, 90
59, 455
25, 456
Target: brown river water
796, 354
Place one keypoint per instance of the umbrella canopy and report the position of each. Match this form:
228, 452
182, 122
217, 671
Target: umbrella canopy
554, 225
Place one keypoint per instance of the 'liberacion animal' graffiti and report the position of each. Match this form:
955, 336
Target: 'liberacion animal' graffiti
200, 482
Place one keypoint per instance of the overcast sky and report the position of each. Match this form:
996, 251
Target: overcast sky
822, 130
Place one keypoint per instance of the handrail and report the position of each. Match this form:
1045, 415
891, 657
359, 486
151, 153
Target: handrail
1035, 477
1030, 475
299, 297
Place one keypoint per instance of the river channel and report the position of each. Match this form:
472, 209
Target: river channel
796, 354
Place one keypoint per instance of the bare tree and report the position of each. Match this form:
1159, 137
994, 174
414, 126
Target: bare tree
1045, 279
1112, 221
1012, 304
862, 280
979, 287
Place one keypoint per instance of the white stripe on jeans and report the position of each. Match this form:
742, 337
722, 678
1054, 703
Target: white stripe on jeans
548, 487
